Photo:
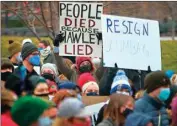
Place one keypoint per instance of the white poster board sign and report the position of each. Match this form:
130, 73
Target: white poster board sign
132, 43
80, 22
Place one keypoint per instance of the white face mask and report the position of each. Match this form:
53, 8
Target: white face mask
51, 97
125, 93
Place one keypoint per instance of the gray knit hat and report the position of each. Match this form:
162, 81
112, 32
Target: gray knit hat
27, 49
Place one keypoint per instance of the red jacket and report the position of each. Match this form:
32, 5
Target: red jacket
6, 120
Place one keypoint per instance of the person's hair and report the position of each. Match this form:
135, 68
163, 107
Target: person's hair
112, 110
139, 94
45, 42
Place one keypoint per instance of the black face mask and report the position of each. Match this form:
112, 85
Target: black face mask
92, 94
5, 75
49, 76
127, 112
85, 68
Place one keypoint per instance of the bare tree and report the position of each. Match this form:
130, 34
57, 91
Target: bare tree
173, 9
45, 13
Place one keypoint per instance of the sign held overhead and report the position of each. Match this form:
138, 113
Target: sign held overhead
132, 43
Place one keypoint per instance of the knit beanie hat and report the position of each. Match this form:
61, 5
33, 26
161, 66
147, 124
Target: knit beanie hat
14, 84
26, 41
67, 85
120, 82
169, 73
79, 60
85, 80
27, 49
5, 63
27, 110
14, 47
155, 80
34, 80
51, 66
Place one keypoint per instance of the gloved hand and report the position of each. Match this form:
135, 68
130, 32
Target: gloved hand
99, 36
58, 39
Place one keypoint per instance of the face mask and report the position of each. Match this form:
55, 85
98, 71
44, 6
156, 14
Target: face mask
48, 76
164, 94
35, 60
79, 97
92, 94
85, 68
19, 58
127, 112
45, 121
125, 93
40, 49
4, 75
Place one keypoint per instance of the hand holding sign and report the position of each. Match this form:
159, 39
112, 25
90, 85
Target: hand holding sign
59, 38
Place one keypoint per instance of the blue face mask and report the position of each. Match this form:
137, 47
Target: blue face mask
164, 94
35, 60
19, 58
92, 94
45, 121
39, 49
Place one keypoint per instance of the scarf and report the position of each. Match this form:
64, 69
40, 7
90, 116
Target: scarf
44, 53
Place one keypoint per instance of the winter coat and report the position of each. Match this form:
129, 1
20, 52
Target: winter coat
6, 120
152, 108
137, 119
101, 114
73, 74
107, 122
50, 59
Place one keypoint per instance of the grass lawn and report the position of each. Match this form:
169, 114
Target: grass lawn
168, 48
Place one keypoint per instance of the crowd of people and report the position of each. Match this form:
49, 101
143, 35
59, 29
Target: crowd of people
53, 96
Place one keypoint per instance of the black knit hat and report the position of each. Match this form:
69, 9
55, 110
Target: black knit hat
155, 80
27, 49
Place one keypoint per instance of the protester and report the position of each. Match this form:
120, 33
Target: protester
72, 116
118, 108
62, 94
83, 64
138, 119
46, 54
38, 87
88, 84
173, 92
152, 103
169, 73
29, 111
30, 56
7, 100
15, 52
6, 69
120, 84
174, 111
50, 69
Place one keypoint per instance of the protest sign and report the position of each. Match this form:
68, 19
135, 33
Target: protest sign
80, 22
132, 43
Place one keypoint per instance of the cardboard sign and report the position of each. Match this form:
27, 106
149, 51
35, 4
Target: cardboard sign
90, 100
80, 22
131, 43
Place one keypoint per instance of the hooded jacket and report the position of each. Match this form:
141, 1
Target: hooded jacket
72, 74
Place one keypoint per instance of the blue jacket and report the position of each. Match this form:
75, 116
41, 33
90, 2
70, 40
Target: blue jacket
152, 108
